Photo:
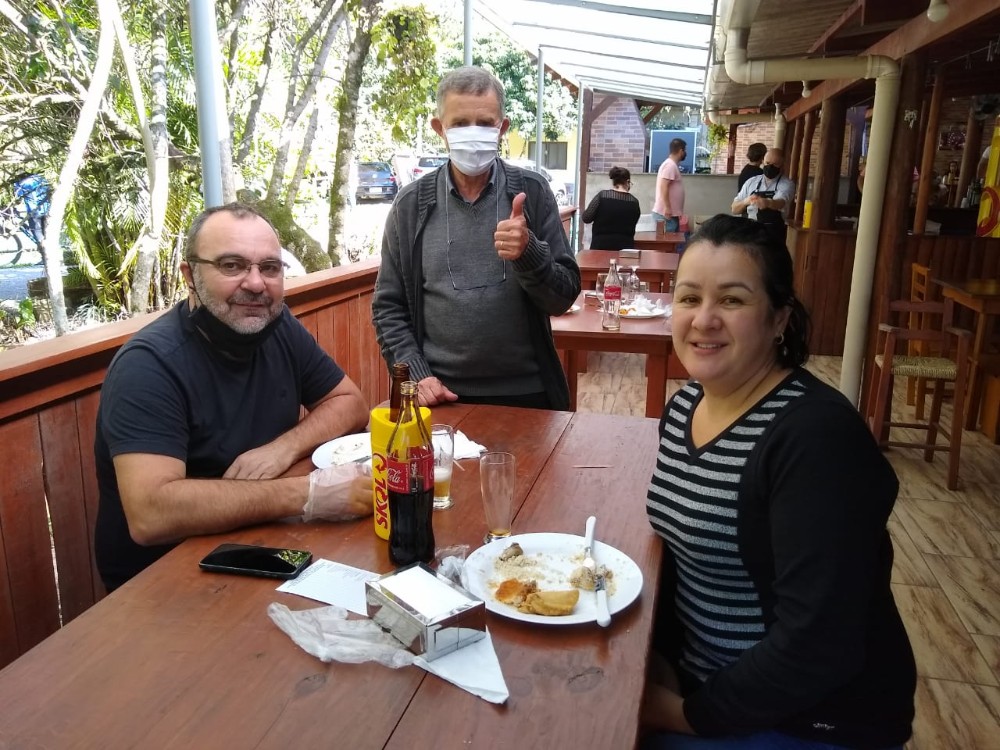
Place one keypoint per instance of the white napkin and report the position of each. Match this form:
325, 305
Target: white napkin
474, 668
465, 448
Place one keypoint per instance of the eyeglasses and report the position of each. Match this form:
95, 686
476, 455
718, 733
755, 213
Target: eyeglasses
235, 265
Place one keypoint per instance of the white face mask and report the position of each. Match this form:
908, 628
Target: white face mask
473, 148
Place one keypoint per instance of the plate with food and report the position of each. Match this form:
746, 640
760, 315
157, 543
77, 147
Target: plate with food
540, 578
343, 450
638, 312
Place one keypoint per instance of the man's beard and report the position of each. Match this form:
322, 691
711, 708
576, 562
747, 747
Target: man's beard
224, 312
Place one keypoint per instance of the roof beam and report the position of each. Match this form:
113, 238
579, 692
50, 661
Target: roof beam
652, 80
605, 35
644, 60
665, 15
915, 35
618, 88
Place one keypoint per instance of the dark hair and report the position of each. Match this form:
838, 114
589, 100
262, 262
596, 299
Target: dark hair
677, 144
619, 175
775, 264
239, 210
756, 152
469, 80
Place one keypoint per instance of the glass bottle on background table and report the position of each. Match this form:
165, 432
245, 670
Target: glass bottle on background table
399, 373
610, 315
410, 478
631, 287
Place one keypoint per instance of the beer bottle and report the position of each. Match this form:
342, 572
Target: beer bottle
399, 373
410, 479
611, 316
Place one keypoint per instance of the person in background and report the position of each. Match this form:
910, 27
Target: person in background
669, 202
474, 261
766, 197
614, 213
755, 155
777, 624
200, 411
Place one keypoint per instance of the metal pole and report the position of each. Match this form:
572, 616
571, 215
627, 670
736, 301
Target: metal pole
539, 111
576, 240
467, 27
209, 95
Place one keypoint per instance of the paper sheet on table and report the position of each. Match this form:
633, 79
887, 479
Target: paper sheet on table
466, 448
332, 583
474, 668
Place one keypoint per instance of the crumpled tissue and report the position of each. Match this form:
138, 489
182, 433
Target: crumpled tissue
466, 448
327, 634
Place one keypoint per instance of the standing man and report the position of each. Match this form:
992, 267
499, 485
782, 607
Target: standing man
669, 203
766, 197
199, 414
474, 261
755, 155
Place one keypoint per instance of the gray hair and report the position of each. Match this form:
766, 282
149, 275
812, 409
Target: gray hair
238, 210
469, 80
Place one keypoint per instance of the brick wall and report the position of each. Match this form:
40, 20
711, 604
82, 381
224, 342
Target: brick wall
617, 137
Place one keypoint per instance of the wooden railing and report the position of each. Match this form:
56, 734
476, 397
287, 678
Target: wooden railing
49, 393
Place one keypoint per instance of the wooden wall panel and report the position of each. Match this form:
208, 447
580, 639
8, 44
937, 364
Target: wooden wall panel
27, 545
86, 425
63, 471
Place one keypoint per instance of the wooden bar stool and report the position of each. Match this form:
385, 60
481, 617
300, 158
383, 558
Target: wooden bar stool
944, 359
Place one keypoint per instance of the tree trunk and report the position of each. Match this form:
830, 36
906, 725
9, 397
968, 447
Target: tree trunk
257, 97
156, 133
71, 167
300, 168
295, 106
347, 116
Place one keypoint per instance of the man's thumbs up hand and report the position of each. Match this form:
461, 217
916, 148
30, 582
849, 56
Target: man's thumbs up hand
511, 237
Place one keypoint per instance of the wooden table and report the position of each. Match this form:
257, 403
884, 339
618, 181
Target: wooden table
656, 268
178, 658
662, 243
983, 297
580, 332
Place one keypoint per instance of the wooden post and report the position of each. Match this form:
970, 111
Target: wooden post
802, 177
793, 159
927, 162
731, 156
970, 156
833, 121
896, 206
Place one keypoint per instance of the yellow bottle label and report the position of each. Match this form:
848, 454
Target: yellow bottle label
382, 428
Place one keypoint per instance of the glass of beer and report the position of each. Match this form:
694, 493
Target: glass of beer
443, 440
497, 475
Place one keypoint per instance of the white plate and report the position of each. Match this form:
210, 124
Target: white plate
573, 309
562, 554
343, 450
658, 313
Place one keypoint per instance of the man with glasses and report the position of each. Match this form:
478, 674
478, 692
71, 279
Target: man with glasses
199, 414
474, 261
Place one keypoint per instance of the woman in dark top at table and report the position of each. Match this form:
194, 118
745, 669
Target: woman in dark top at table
614, 213
777, 625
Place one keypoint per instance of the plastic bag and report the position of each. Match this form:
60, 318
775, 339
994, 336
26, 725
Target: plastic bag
327, 634
451, 560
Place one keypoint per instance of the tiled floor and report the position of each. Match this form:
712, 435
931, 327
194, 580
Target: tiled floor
946, 576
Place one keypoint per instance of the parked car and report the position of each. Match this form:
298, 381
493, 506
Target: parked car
559, 189
376, 180
426, 165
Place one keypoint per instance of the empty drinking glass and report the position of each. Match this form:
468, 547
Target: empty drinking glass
497, 475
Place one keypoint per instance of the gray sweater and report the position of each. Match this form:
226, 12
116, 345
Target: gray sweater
547, 278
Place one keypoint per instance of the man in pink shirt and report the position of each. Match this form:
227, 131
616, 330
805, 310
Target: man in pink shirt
669, 203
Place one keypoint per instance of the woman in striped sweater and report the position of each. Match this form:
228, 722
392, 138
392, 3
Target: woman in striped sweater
777, 623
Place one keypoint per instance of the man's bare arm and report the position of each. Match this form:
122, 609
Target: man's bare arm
162, 505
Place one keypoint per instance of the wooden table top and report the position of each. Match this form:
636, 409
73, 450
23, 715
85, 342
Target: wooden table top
649, 260
182, 658
978, 288
587, 322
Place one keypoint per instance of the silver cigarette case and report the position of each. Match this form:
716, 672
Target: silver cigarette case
425, 611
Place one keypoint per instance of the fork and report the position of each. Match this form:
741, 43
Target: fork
603, 615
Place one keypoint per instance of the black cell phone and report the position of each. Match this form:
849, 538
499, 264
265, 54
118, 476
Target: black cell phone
251, 560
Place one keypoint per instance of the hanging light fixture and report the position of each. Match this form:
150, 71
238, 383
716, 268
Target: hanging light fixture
938, 10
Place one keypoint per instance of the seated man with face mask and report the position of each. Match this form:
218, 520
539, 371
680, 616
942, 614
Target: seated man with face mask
474, 261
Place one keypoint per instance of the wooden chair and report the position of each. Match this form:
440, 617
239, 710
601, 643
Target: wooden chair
944, 359
916, 388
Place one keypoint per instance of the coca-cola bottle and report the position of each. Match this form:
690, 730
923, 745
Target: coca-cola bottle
610, 315
399, 373
410, 477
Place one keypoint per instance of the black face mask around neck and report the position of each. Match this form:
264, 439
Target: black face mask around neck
232, 344
771, 171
